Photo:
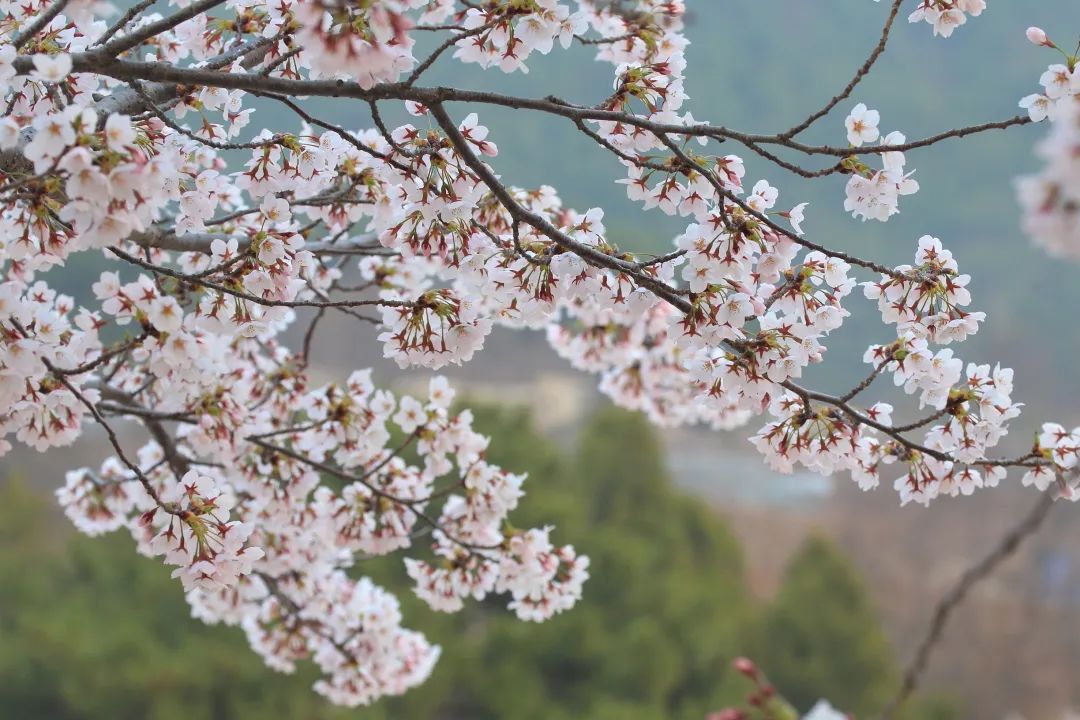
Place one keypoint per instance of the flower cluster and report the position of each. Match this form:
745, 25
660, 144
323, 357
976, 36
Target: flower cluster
98, 503
875, 194
543, 580
946, 15
498, 39
918, 368
927, 299
823, 440
1061, 448
1050, 199
44, 344
368, 43
192, 530
1061, 83
436, 329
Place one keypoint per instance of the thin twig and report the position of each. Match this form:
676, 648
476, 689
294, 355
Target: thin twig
39, 23
120, 24
862, 72
126, 42
952, 599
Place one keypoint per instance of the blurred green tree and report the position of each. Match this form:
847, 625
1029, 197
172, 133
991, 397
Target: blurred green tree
89, 629
821, 631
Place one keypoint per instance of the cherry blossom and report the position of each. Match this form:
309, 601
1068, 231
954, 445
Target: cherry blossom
946, 15
927, 298
1050, 198
875, 194
862, 125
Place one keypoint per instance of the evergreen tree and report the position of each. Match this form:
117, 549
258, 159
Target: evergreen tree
821, 637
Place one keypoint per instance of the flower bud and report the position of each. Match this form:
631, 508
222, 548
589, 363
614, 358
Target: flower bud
746, 666
728, 714
1037, 36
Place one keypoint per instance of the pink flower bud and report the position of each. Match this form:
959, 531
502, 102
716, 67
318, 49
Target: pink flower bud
746, 666
1038, 37
728, 714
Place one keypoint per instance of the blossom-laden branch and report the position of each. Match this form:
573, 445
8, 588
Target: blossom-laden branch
137, 139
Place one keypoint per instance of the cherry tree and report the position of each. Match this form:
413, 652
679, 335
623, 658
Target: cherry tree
136, 135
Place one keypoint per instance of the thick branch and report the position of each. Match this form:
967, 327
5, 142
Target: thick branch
201, 242
95, 61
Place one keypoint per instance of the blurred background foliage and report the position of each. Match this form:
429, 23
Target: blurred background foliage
89, 630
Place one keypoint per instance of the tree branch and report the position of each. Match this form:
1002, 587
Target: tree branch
956, 595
